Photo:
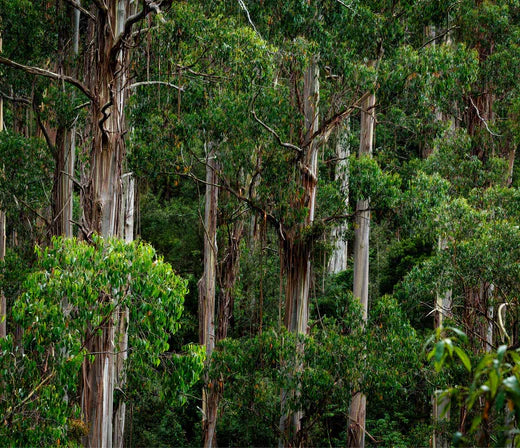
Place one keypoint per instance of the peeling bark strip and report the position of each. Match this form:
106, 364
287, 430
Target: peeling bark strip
207, 288
296, 250
108, 207
227, 279
356, 429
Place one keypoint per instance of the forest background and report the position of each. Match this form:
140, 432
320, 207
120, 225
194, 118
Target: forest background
259, 223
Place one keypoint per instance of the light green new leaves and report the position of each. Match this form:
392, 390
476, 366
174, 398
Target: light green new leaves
76, 289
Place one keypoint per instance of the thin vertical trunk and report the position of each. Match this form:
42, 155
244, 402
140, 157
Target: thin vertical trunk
356, 424
122, 318
338, 259
228, 275
207, 287
3, 305
65, 140
297, 250
440, 403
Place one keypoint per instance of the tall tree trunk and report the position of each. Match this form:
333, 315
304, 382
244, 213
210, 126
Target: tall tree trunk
338, 259
3, 241
296, 249
356, 425
227, 278
207, 288
65, 140
122, 320
106, 72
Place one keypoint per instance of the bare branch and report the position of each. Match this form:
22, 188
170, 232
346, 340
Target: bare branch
81, 106
482, 119
101, 5
149, 83
438, 36
16, 99
272, 131
148, 6
80, 8
243, 6
326, 128
48, 74
347, 6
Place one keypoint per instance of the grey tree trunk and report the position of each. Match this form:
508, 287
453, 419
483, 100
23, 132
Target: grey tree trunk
123, 314
207, 288
297, 251
357, 417
106, 68
338, 259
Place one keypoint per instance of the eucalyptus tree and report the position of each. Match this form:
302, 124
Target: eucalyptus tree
103, 85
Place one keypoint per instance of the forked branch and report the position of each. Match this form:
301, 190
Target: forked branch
48, 74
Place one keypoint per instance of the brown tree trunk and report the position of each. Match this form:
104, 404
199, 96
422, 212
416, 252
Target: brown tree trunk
228, 272
207, 288
106, 71
3, 305
297, 250
357, 417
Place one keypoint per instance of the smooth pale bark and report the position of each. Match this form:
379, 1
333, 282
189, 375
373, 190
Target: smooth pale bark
207, 289
338, 259
440, 403
121, 320
357, 417
296, 250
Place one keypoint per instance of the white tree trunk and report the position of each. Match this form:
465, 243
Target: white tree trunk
207, 289
357, 418
121, 320
338, 259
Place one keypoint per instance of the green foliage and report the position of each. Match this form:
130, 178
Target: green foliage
492, 395
368, 181
75, 289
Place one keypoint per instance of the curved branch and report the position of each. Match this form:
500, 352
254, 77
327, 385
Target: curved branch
272, 131
326, 128
37, 71
80, 8
149, 83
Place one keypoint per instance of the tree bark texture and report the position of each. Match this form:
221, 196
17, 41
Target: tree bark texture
106, 73
207, 289
296, 249
338, 259
356, 424
3, 241
228, 271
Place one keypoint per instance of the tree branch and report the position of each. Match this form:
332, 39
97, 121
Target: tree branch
100, 5
80, 8
326, 128
438, 36
48, 74
149, 83
272, 131
243, 6
483, 119
148, 6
